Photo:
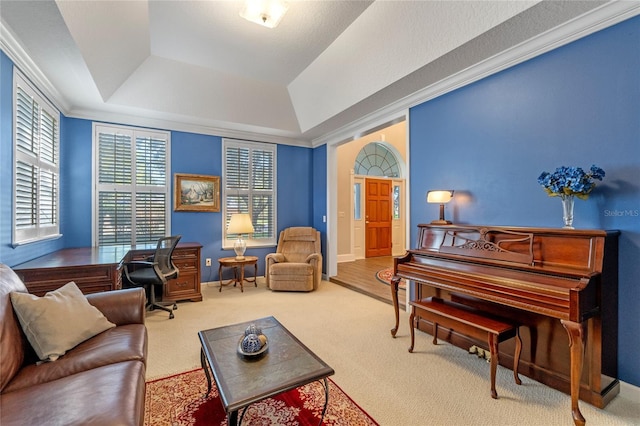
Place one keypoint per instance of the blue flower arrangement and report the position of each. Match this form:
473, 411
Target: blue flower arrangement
569, 181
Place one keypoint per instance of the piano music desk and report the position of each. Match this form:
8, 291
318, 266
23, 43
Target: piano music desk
471, 323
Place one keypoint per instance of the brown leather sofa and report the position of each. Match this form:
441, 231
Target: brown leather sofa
99, 382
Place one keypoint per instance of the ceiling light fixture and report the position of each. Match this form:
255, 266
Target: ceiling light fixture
267, 13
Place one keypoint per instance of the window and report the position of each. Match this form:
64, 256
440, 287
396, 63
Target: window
249, 186
357, 210
374, 159
396, 202
36, 173
131, 177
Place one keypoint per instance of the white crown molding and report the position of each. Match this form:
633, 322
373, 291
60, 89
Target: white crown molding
19, 57
606, 15
15, 52
171, 123
597, 19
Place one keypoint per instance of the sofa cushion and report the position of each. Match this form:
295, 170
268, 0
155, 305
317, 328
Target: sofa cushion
288, 284
58, 321
300, 233
109, 395
289, 268
124, 343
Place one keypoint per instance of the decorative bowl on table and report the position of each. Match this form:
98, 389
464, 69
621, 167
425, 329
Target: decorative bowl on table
253, 329
253, 343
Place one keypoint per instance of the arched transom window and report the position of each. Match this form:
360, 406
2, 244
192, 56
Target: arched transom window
374, 159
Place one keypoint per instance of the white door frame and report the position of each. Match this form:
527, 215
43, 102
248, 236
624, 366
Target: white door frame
332, 185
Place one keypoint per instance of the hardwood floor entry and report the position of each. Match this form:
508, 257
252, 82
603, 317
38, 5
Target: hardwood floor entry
360, 276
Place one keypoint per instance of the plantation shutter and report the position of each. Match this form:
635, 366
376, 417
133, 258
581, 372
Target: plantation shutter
249, 187
151, 175
132, 186
262, 177
36, 168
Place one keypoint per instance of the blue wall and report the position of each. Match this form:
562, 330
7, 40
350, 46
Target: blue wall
75, 177
575, 106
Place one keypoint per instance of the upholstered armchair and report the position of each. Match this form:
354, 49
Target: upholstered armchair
297, 263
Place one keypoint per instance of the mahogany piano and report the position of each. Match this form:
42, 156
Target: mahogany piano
556, 283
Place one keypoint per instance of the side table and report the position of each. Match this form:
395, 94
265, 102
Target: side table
238, 264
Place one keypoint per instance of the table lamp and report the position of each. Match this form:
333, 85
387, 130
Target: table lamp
240, 223
441, 197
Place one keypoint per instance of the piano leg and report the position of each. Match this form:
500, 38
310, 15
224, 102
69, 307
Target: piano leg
493, 349
516, 356
576, 345
395, 281
412, 324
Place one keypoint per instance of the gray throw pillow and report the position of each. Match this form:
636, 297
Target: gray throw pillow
58, 321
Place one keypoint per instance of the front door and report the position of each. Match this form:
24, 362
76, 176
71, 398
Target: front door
378, 217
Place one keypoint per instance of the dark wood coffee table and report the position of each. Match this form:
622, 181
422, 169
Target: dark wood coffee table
241, 381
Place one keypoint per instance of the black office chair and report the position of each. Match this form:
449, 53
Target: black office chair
155, 271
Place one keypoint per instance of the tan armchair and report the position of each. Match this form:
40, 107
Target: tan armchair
297, 263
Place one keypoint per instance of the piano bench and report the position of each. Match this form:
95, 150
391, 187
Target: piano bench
471, 323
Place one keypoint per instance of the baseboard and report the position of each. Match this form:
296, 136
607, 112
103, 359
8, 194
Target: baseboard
216, 283
345, 258
629, 391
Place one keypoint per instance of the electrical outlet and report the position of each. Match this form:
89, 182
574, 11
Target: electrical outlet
207, 261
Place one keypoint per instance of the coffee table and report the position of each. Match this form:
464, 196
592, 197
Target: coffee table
241, 381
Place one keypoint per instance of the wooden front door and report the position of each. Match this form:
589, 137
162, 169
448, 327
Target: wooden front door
377, 217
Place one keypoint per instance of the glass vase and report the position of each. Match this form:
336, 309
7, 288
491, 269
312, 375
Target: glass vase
567, 211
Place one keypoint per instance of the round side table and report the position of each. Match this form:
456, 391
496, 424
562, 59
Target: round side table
238, 264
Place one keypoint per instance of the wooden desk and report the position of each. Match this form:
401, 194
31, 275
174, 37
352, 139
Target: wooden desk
232, 262
96, 269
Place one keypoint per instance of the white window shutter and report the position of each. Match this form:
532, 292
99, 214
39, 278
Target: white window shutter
36, 167
132, 185
249, 187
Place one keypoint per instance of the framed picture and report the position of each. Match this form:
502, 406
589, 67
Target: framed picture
196, 193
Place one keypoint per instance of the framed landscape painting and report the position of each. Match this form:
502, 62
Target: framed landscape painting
196, 193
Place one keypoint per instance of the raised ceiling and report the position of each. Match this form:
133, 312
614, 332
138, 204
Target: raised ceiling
198, 66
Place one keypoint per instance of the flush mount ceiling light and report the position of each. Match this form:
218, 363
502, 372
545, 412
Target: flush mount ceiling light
267, 13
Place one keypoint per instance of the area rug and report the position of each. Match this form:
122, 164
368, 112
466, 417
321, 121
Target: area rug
385, 275
178, 400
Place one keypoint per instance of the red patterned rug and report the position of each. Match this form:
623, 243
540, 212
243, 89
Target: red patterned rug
385, 275
177, 400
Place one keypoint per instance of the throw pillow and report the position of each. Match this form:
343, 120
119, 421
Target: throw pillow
58, 321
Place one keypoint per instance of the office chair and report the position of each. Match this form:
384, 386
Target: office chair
155, 271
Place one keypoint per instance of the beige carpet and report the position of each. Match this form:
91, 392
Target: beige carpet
436, 385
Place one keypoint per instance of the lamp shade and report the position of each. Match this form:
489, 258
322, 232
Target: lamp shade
240, 223
439, 196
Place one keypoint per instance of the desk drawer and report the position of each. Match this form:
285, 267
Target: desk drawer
89, 279
185, 287
185, 265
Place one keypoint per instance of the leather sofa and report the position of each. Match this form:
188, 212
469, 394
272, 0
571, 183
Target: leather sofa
101, 381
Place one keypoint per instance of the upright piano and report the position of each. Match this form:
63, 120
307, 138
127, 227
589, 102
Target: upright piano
555, 283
